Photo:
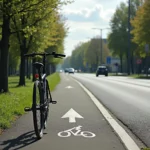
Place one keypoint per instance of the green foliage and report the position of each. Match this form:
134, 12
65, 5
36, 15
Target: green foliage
85, 55
140, 23
77, 59
66, 62
118, 37
93, 52
39, 25
35, 26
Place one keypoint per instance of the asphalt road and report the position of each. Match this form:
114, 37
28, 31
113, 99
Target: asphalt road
65, 133
128, 99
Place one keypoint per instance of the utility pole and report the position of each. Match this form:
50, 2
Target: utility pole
101, 47
129, 40
101, 44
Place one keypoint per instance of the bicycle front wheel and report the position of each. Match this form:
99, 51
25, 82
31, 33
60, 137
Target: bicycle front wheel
38, 115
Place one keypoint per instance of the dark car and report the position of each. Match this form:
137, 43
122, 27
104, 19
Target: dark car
66, 70
102, 70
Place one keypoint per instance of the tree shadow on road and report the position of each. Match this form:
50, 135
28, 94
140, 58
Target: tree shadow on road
19, 142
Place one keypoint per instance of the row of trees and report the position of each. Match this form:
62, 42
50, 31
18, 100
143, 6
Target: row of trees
118, 36
86, 56
27, 26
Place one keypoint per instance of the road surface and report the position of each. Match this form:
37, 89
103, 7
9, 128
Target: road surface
128, 99
75, 123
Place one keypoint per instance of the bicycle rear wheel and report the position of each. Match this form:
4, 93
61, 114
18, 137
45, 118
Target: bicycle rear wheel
48, 100
38, 115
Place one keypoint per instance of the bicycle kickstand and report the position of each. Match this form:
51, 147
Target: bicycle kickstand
27, 109
53, 102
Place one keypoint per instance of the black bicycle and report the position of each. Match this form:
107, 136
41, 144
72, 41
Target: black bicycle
41, 94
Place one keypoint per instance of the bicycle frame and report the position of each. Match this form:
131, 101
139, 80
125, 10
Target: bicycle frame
42, 78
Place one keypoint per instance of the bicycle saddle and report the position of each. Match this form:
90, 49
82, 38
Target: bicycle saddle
38, 65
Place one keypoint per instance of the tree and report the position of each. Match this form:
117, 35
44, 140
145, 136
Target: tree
140, 23
27, 20
4, 43
92, 53
85, 55
78, 56
37, 28
66, 62
118, 37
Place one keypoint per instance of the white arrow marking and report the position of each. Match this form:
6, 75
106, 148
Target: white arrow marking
72, 115
69, 87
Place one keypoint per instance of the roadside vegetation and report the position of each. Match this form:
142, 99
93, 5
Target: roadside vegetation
136, 76
26, 27
134, 56
12, 103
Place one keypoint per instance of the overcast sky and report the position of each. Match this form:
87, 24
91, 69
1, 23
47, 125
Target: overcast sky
83, 15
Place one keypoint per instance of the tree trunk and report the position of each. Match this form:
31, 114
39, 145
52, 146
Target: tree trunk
4, 54
121, 64
22, 67
27, 68
132, 62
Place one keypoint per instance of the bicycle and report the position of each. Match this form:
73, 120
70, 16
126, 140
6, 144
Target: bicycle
41, 94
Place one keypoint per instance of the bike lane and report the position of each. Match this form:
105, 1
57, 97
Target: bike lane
74, 123
76, 113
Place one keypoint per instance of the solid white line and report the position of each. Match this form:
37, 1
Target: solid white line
123, 135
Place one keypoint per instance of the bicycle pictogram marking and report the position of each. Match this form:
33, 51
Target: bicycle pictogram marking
76, 131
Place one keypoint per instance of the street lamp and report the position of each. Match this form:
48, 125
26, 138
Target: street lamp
101, 46
129, 41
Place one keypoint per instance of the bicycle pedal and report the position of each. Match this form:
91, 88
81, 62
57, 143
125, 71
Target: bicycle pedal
53, 102
27, 109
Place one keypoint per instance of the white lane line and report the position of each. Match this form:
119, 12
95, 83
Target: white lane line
69, 87
123, 135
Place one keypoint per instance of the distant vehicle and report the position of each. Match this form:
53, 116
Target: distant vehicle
101, 70
66, 70
71, 70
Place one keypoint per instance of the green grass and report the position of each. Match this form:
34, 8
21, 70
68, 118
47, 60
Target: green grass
12, 104
136, 76
139, 76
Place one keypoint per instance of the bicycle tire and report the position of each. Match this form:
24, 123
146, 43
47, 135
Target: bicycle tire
36, 108
48, 100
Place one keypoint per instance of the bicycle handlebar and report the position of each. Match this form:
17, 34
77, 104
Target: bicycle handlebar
56, 55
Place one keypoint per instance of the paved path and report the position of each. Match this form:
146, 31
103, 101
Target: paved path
73, 99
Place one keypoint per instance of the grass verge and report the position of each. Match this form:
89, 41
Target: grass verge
12, 104
139, 76
136, 76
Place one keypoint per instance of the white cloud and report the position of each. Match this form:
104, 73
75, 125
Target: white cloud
83, 15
